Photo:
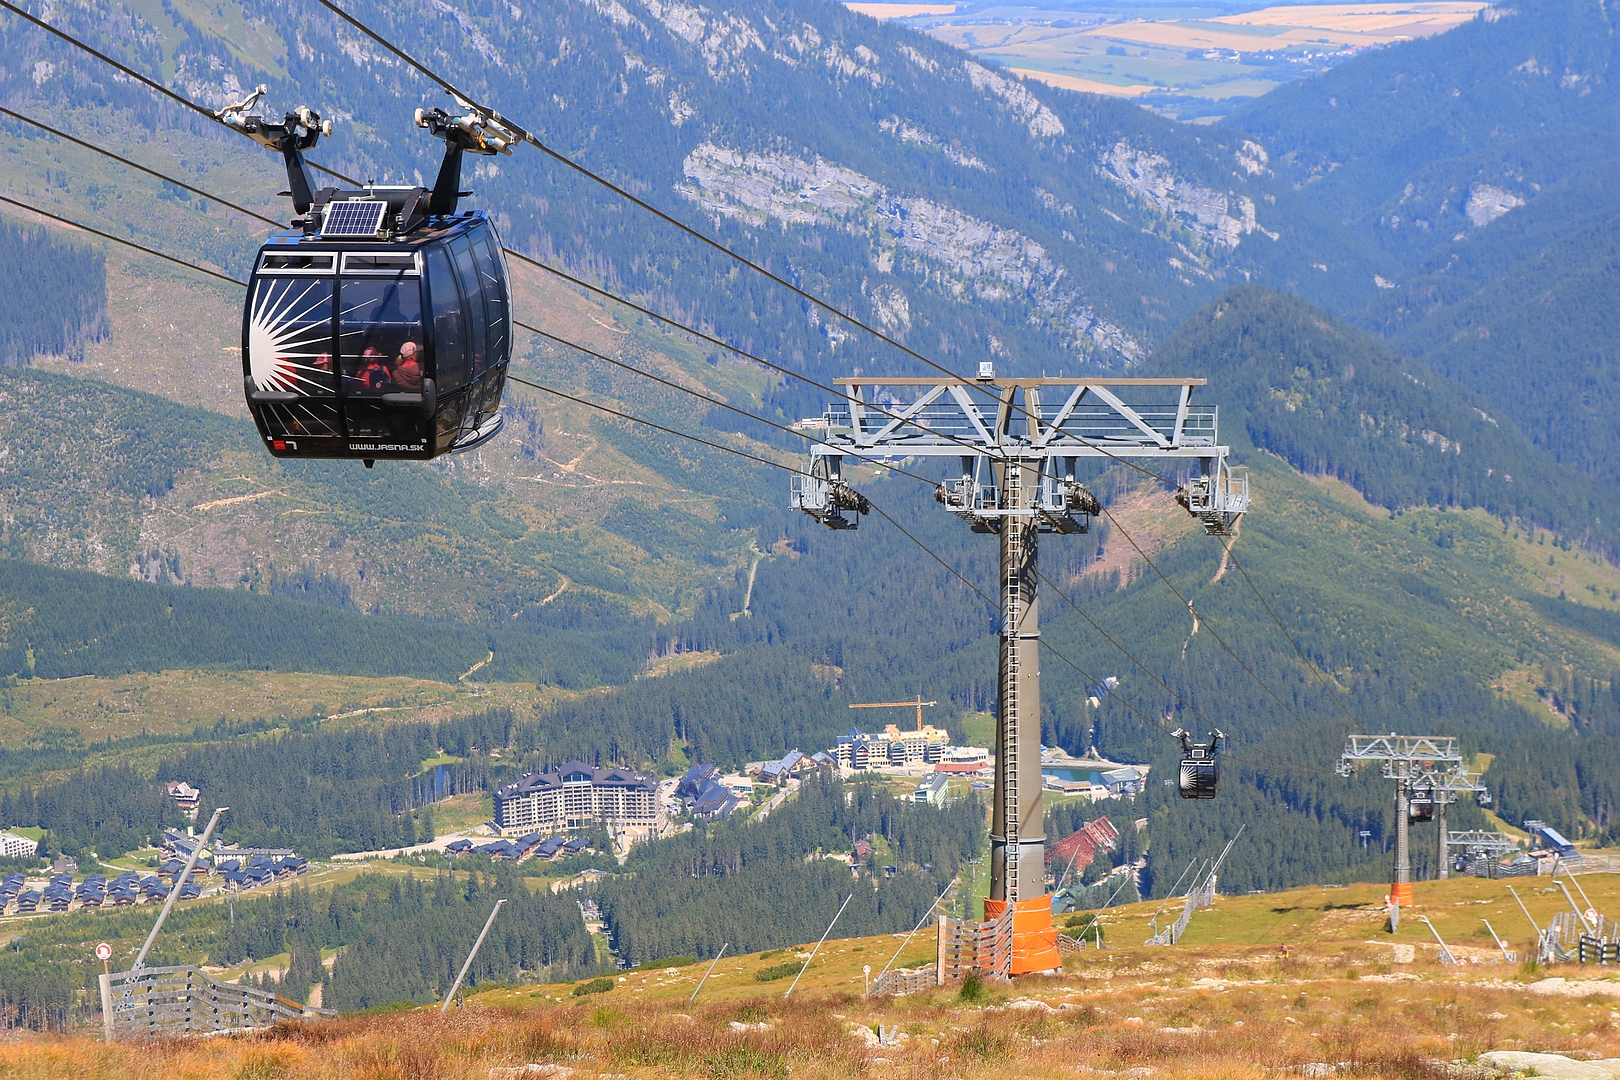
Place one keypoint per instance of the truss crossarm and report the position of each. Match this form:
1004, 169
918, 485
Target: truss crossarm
1055, 425
1132, 415
1485, 843
1182, 405
1411, 750
971, 411
907, 415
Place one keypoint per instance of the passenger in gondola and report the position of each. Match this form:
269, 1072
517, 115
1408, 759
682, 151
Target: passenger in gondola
407, 373
323, 362
373, 373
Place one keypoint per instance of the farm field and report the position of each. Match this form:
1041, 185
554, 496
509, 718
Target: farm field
1259, 985
1186, 58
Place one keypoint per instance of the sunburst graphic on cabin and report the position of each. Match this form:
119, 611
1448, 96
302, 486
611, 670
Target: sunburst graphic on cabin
290, 337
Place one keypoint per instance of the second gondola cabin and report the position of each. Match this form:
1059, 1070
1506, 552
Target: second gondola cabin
1200, 774
379, 326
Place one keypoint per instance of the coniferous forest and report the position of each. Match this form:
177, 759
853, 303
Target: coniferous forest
408, 943
780, 881
56, 294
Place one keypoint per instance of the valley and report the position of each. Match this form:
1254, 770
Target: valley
1380, 237
1191, 61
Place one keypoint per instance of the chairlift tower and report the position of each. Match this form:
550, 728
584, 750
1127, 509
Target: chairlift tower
1013, 445
1427, 766
1442, 790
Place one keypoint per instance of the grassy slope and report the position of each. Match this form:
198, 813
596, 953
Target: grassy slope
1226, 1002
1433, 590
170, 702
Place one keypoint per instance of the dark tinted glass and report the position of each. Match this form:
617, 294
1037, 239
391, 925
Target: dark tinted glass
386, 263
274, 261
448, 428
290, 335
449, 327
477, 336
496, 306
380, 336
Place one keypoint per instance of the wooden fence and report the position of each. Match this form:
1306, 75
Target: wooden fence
898, 982
167, 1001
967, 947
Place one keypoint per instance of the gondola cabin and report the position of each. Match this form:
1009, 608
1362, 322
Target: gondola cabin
1420, 808
355, 347
379, 325
1200, 776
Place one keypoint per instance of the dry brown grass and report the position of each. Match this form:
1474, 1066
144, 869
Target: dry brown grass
1226, 1003
1128, 1012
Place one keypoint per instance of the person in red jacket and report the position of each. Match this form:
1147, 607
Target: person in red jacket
408, 368
373, 373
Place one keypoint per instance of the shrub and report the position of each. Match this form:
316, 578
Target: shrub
972, 989
777, 971
595, 986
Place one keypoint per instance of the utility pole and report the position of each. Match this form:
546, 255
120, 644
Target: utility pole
482, 934
1016, 456
1429, 765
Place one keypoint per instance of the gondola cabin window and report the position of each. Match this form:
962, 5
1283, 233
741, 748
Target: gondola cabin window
492, 271
382, 349
478, 338
449, 328
289, 347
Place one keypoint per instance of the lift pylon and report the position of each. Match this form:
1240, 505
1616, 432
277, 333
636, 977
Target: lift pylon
1015, 443
1426, 765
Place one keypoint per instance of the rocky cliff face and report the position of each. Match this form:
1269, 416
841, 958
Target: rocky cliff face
953, 253
1207, 218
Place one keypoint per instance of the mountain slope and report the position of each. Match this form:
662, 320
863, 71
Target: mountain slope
948, 202
1330, 398
1531, 318
1434, 139
1483, 160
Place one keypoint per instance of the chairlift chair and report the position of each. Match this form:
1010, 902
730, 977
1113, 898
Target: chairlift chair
1200, 765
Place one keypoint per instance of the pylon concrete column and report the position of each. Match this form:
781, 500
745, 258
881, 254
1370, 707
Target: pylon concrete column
1440, 800
1017, 830
1400, 890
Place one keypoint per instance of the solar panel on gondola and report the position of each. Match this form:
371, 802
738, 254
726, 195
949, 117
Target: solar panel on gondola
379, 325
356, 218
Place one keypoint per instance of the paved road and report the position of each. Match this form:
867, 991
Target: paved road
480, 835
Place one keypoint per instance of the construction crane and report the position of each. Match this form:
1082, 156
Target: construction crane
919, 705
1011, 447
